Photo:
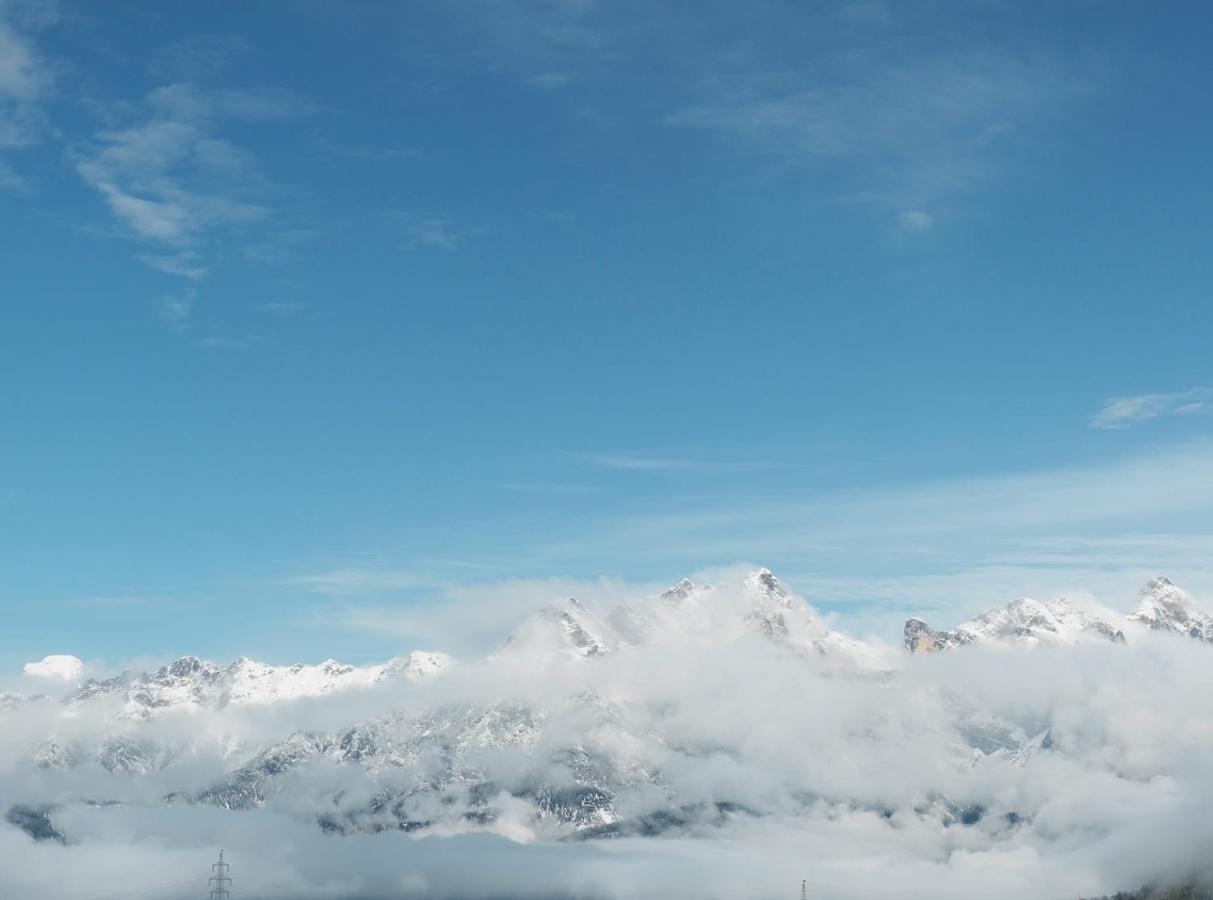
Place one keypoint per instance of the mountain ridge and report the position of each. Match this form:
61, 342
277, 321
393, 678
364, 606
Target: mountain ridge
551, 737
1161, 607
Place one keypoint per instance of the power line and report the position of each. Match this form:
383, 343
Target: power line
220, 880
160, 888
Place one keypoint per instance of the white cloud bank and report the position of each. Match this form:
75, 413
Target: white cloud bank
56, 668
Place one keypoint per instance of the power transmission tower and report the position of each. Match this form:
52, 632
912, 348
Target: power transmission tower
220, 880
804, 891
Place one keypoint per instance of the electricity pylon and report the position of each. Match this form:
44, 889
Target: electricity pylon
804, 891
220, 880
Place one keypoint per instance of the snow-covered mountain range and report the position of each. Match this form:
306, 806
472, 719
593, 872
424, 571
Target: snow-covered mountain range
583, 723
192, 682
1030, 621
1161, 607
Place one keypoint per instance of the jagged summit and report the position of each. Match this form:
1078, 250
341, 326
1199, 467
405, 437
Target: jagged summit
764, 583
566, 630
770, 604
1024, 620
678, 592
1164, 607
686, 613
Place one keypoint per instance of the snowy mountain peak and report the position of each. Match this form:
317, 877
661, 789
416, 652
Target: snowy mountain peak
567, 630
763, 584
919, 637
416, 666
770, 604
679, 592
1024, 620
582, 631
187, 666
1164, 607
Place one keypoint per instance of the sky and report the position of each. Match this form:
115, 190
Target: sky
310, 310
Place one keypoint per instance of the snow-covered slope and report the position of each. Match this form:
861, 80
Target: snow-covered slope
134, 716
190, 683
444, 765
1164, 607
566, 631
1025, 621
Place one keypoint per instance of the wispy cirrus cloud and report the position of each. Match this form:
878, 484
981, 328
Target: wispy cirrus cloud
233, 342
916, 221
184, 264
641, 462
280, 307
115, 600
1125, 412
365, 152
277, 247
911, 108
550, 81
196, 58
173, 179
351, 580
26, 78
175, 311
913, 123
433, 231
1161, 486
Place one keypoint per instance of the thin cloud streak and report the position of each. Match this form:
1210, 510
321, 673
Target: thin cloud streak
915, 129
26, 80
114, 600
855, 540
352, 580
1124, 412
632, 462
1157, 484
176, 311
233, 342
172, 179
429, 231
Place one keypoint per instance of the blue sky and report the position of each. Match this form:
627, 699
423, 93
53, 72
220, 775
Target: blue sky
312, 311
